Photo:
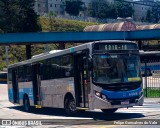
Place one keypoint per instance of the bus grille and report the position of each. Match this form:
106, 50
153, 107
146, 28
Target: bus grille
118, 102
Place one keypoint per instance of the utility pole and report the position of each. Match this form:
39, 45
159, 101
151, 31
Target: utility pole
6, 48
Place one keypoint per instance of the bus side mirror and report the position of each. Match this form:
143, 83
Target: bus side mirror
90, 64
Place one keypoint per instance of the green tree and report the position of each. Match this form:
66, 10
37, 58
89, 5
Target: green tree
18, 52
123, 9
27, 18
148, 16
74, 7
18, 16
99, 9
143, 19
8, 15
113, 11
52, 20
155, 13
63, 26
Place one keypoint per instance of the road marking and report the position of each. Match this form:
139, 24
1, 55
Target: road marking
69, 118
101, 126
141, 109
108, 126
91, 126
12, 126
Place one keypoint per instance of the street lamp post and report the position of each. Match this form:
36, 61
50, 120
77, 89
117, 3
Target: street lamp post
6, 48
124, 20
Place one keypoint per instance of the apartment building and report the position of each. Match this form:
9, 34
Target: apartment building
141, 7
56, 6
43, 7
86, 2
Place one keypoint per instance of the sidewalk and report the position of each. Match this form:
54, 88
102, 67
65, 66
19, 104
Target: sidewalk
151, 100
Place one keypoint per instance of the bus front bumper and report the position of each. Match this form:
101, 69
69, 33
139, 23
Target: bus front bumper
108, 104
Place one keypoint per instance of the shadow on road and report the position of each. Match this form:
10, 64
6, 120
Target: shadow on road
96, 115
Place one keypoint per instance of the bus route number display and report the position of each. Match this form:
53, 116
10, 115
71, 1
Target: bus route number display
116, 47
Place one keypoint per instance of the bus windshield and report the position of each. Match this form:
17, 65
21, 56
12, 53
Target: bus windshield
113, 68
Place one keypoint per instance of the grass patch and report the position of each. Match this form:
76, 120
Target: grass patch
152, 92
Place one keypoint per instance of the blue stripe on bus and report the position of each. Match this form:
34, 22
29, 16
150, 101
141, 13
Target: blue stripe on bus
28, 91
121, 94
10, 94
151, 67
22, 91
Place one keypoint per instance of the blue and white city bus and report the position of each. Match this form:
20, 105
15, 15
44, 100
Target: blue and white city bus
97, 75
150, 63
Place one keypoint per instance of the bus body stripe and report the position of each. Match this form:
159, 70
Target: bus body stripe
121, 94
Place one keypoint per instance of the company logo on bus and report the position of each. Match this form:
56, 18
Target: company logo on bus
124, 94
133, 94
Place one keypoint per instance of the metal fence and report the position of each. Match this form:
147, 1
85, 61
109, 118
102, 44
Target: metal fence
151, 78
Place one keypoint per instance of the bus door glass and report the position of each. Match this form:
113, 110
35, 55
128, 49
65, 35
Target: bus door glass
36, 83
15, 86
81, 79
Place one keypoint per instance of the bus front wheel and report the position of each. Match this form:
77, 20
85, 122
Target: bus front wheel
26, 104
70, 106
109, 111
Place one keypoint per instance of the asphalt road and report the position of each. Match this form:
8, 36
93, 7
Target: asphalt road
131, 117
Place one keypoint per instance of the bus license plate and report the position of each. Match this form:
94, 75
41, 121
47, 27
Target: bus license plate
124, 102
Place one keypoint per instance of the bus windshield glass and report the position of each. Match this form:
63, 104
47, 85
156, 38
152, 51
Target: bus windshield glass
113, 68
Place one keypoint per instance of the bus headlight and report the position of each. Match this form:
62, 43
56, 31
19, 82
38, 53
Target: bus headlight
98, 94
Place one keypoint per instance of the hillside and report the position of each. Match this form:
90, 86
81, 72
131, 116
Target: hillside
17, 53
62, 25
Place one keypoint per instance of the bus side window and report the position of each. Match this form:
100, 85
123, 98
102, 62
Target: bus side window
45, 70
56, 70
67, 66
21, 74
28, 74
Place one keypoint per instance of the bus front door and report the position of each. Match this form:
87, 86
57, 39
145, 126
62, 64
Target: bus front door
36, 83
80, 75
15, 86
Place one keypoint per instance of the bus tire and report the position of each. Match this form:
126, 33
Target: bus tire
109, 111
70, 106
26, 104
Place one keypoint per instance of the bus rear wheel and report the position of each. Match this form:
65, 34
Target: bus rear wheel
109, 111
70, 106
26, 104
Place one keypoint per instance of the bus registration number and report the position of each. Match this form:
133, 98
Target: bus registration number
124, 102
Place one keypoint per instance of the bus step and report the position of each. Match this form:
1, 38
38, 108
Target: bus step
79, 108
16, 103
38, 106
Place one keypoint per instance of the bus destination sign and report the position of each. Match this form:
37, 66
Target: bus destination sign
104, 46
116, 47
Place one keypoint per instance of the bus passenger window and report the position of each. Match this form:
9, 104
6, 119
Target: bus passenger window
67, 66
